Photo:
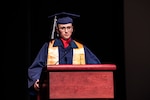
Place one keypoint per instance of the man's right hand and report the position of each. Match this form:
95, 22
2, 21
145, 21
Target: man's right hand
36, 85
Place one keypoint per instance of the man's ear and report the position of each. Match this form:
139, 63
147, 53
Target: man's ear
57, 30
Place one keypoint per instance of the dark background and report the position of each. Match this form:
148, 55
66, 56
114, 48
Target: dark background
116, 31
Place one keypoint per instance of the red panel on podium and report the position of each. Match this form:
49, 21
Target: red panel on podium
80, 81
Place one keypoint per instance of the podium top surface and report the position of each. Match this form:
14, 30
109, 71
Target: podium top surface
82, 67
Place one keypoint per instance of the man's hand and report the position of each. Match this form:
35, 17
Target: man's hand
36, 85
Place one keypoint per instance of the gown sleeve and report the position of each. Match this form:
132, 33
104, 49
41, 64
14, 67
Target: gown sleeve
90, 57
34, 71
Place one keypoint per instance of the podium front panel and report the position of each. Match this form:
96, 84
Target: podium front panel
81, 84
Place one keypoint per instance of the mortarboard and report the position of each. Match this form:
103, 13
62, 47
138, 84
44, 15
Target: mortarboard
62, 18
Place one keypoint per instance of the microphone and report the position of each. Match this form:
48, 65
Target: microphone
63, 56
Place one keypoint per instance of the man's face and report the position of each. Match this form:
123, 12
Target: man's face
65, 30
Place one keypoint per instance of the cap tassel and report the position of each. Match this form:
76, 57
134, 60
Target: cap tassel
54, 25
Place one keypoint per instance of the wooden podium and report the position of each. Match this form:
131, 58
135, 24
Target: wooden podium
77, 82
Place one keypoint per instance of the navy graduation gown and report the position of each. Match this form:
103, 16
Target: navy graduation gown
65, 57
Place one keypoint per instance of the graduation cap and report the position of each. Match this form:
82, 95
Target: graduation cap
62, 18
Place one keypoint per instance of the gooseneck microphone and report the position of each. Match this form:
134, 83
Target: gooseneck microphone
63, 56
